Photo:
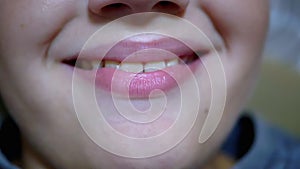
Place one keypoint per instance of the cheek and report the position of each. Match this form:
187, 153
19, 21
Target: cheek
243, 26
26, 30
236, 19
27, 26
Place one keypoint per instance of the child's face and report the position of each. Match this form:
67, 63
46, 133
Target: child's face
37, 36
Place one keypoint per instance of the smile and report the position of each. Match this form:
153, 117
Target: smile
131, 66
127, 71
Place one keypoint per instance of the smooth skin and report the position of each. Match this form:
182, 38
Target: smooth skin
37, 91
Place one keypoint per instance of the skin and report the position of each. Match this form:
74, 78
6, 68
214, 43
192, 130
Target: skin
36, 90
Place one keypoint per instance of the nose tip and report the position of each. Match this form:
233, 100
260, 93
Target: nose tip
118, 8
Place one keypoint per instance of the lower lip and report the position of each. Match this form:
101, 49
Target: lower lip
140, 85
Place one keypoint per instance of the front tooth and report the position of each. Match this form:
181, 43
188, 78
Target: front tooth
154, 66
111, 64
83, 64
132, 67
172, 62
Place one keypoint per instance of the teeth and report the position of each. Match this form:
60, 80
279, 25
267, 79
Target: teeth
128, 67
132, 67
154, 66
97, 65
83, 64
111, 64
172, 62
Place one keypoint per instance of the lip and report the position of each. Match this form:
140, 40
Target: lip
127, 47
140, 85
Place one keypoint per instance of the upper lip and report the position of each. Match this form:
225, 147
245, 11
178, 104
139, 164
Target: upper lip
125, 48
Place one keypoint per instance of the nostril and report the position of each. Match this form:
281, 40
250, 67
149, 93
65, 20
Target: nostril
167, 7
115, 8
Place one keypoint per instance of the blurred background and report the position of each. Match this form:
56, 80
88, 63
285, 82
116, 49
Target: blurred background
277, 97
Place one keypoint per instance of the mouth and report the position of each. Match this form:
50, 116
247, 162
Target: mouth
132, 67
137, 68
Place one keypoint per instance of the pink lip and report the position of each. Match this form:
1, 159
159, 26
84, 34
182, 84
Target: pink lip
125, 48
140, 85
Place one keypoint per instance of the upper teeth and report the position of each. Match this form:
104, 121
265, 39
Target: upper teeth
128, 67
